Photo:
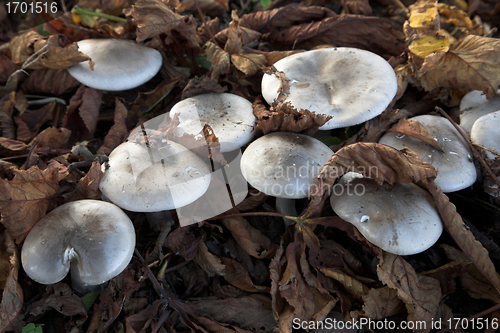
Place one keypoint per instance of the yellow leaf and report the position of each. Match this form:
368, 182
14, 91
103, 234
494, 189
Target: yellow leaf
426, 45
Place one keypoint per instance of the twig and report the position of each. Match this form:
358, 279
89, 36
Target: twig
474, 151
205, 23
28, 158
31, 60
82, 11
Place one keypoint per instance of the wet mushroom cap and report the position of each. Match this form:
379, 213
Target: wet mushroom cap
284, 164
475, 105
118, 64
486, 132
352, 85
142, 179
455, 165
230, 117
399, 218
98, 235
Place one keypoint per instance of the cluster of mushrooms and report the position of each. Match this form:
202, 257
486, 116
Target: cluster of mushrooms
149, 173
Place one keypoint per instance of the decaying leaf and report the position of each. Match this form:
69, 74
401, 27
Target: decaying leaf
355, 288
219, 60
55, 55
235, 274
49, 81
52, 137
358, 7
154, 17
381, 303
24, 199
420, 294
118, 132
88, 186
211, 7
210, 263
415, 129
12, 293
202, 85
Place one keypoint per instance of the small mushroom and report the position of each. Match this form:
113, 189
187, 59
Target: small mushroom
485, 132
455, 165
230, 117
152, 177
93, 239
117, 64
352, 85
399, 218
284, 165
475, 105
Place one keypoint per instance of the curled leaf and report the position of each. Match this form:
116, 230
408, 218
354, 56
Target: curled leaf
415, 129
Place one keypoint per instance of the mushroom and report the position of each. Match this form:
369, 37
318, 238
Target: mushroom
230, 117
153, 176
455, 165
475, 105
117, 64
284, 165
399, 218
485, 132
93, 239
352, 85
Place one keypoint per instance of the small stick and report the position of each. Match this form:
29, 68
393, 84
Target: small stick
29, 155
205, 22
474, 151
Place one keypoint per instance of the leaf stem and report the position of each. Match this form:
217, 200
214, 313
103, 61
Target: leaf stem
82, 11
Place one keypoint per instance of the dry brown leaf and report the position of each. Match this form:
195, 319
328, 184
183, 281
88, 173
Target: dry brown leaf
24, 200
83, 113
145, 101
471, 280
206, 31
49, 81
9, 147
211, 7
7, 67
153, 17
471, 64
354, 287
118, 132
447, 273
202, 85
283, 117
182, 241
248, 312
415, 129
375, 34
381, 303
250, 239
56, 55
219, 59
380, 162
61, 298
51, 137
88, 186
12, 293
7, 109
235, 274
248, 63
253, 200
463, 236
357, 7
276, 270
210, 263
421, 294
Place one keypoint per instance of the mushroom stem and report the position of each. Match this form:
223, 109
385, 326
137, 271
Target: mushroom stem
156, 218
286, 207
80, 287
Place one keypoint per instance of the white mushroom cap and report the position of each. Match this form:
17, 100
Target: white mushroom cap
148, 179
118, 64
284, 164
455, 165
486, 132
230, 117
475, 105
95, 238
399, 218
352, 85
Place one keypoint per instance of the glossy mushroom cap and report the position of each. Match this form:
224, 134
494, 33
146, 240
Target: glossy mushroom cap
139, 178
475, 105
118, 64
455, 165
230, 117
284, 164
352, 85
486, 132
94, 238
399, 218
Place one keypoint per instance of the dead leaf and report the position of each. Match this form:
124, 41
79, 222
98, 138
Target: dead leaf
7, 109
253, 200
88, 186
381, 303
12, 295
219, 60
56, 56
51, 137
49, 81
24, 200
62, 299
354, 287
118, 132
469, 65
235, 274
202, 85
415, 129
182, 241
250, 239
447, 273
9, 147
7, 67
357, 7
211, 7
154, 17
82, 114
252, 312
210, 263
420, 294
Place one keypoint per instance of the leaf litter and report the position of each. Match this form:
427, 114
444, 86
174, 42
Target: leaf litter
243, 271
